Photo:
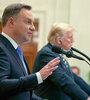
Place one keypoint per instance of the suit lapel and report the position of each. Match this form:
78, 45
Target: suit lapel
13, 52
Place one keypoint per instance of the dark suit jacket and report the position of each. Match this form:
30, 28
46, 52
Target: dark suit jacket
63, 84
15, 84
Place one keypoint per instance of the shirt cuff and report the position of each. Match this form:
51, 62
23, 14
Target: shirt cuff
39, 78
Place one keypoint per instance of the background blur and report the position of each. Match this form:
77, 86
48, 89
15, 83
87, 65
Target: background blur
74, 12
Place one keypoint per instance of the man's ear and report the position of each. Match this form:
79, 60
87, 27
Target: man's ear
11, 22
58, 40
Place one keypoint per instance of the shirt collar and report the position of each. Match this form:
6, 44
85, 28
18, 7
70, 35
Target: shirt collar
15, 45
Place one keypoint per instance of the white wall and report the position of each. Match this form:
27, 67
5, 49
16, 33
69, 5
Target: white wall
80, 19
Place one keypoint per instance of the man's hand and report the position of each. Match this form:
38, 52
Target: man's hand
49, 68
88, 98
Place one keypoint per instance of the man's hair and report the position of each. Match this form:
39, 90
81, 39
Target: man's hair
58, 30
12, 11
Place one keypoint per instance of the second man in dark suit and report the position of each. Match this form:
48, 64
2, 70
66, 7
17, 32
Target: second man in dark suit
63, 84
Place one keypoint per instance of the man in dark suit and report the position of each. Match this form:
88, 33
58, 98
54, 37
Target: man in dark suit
63, 84
16, 82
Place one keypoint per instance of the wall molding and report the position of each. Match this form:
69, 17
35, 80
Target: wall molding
41, 15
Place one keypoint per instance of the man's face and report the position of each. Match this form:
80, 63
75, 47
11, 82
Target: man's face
24, 27
67, 40
76, 71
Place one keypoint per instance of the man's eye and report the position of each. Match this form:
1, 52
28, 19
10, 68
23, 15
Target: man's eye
70, 37
28, 22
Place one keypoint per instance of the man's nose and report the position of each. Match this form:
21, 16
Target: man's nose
73, 40
32, 27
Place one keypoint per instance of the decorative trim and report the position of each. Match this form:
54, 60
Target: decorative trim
42, 17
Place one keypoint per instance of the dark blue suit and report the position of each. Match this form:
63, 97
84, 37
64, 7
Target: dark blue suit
14, 83
63, 84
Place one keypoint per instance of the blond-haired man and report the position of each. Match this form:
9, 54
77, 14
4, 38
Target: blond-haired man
63, 84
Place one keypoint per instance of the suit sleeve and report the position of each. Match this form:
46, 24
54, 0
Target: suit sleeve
9, 85
82, 83
35, 97
62, 80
